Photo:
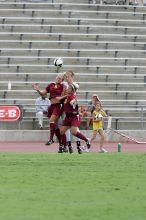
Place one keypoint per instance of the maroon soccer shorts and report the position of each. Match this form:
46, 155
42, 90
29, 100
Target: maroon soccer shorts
71, 121
55, 109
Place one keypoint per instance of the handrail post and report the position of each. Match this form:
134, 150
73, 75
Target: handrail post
142, 118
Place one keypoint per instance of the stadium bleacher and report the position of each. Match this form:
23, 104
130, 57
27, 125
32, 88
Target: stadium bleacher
103, 44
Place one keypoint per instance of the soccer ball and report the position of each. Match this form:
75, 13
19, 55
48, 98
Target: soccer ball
58, 62
76, 85
99, 117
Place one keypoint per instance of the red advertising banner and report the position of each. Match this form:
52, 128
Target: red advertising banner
9, 113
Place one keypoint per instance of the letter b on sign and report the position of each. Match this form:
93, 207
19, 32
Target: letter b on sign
9, 113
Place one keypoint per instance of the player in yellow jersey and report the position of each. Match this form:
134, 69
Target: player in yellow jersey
98, 115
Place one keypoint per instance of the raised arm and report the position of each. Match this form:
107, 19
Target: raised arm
41, 92
103, 113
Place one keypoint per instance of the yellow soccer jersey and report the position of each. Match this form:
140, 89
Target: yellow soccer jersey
97, 125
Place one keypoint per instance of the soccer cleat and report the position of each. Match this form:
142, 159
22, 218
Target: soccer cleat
79, 150
61, 149
49, 142
85, 149
88, 144
103, 151
70, 149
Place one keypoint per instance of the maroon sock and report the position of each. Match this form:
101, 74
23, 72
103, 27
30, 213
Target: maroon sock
63, 140
81, 136
52, 130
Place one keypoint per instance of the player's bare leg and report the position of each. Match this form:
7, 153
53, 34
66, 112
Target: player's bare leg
101, 142
94, 135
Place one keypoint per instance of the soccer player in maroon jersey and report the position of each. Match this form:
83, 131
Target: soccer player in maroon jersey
55, 109
72, 119
69, 77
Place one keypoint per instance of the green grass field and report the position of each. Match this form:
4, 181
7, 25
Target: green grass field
75, 187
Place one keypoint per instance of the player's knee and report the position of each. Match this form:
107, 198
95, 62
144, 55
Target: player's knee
62, 132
